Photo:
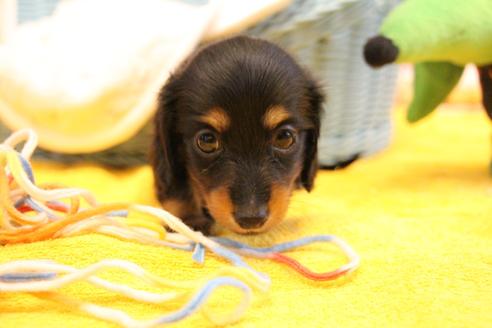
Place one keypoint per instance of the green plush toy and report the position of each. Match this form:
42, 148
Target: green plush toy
440, 37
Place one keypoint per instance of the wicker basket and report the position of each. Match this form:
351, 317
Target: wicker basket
327, 37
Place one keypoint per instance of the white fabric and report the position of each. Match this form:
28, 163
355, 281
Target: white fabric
87, 77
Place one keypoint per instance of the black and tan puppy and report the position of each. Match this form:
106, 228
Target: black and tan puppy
235, 133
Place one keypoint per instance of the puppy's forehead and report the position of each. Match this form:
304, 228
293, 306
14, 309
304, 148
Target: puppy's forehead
217, 118
220, 119
274, 116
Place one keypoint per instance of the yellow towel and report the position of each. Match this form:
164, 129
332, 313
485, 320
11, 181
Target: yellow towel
420, 216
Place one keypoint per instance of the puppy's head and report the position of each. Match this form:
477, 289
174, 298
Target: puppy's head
238, 125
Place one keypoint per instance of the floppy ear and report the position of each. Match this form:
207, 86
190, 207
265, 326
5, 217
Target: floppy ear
167, 150
310, 164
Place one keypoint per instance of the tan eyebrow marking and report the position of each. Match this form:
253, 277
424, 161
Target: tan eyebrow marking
217, 118
274, 116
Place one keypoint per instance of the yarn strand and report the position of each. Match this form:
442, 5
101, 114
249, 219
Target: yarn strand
30, 212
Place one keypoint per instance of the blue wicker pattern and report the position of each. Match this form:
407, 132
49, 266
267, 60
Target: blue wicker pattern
29, 10
328, 37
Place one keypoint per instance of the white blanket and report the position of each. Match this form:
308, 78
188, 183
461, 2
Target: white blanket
87, 77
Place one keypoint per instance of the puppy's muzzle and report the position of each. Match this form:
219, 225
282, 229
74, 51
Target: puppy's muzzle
251, 218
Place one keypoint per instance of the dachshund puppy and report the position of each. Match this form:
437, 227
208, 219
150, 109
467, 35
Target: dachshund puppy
235, 133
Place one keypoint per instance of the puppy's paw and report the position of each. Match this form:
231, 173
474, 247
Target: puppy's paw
199, 222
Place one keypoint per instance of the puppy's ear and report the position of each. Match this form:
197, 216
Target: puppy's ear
310, 165
167, 149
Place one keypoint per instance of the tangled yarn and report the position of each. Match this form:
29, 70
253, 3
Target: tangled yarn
31, 212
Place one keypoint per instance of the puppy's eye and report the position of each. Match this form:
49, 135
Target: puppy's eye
284, 139
207, 141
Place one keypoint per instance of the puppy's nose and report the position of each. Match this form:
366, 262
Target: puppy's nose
252, 218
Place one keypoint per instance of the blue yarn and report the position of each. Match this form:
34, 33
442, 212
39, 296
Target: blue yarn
120, 213
37, 208
202, 296
279, 248
27, 167
20, 202
186, 247
199, 253
27, 276
191, 307
238, 261
231, 256
28, 200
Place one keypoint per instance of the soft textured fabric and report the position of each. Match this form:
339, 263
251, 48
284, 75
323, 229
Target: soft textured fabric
433, 83
419, 215
58, 73
434, 30
441, 37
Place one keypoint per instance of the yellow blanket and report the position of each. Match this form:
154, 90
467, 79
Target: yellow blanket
420, 216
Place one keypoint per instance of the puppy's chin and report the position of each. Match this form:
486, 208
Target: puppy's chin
232, 225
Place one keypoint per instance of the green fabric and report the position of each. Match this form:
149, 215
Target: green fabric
442, 35
457, 31
433, 82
